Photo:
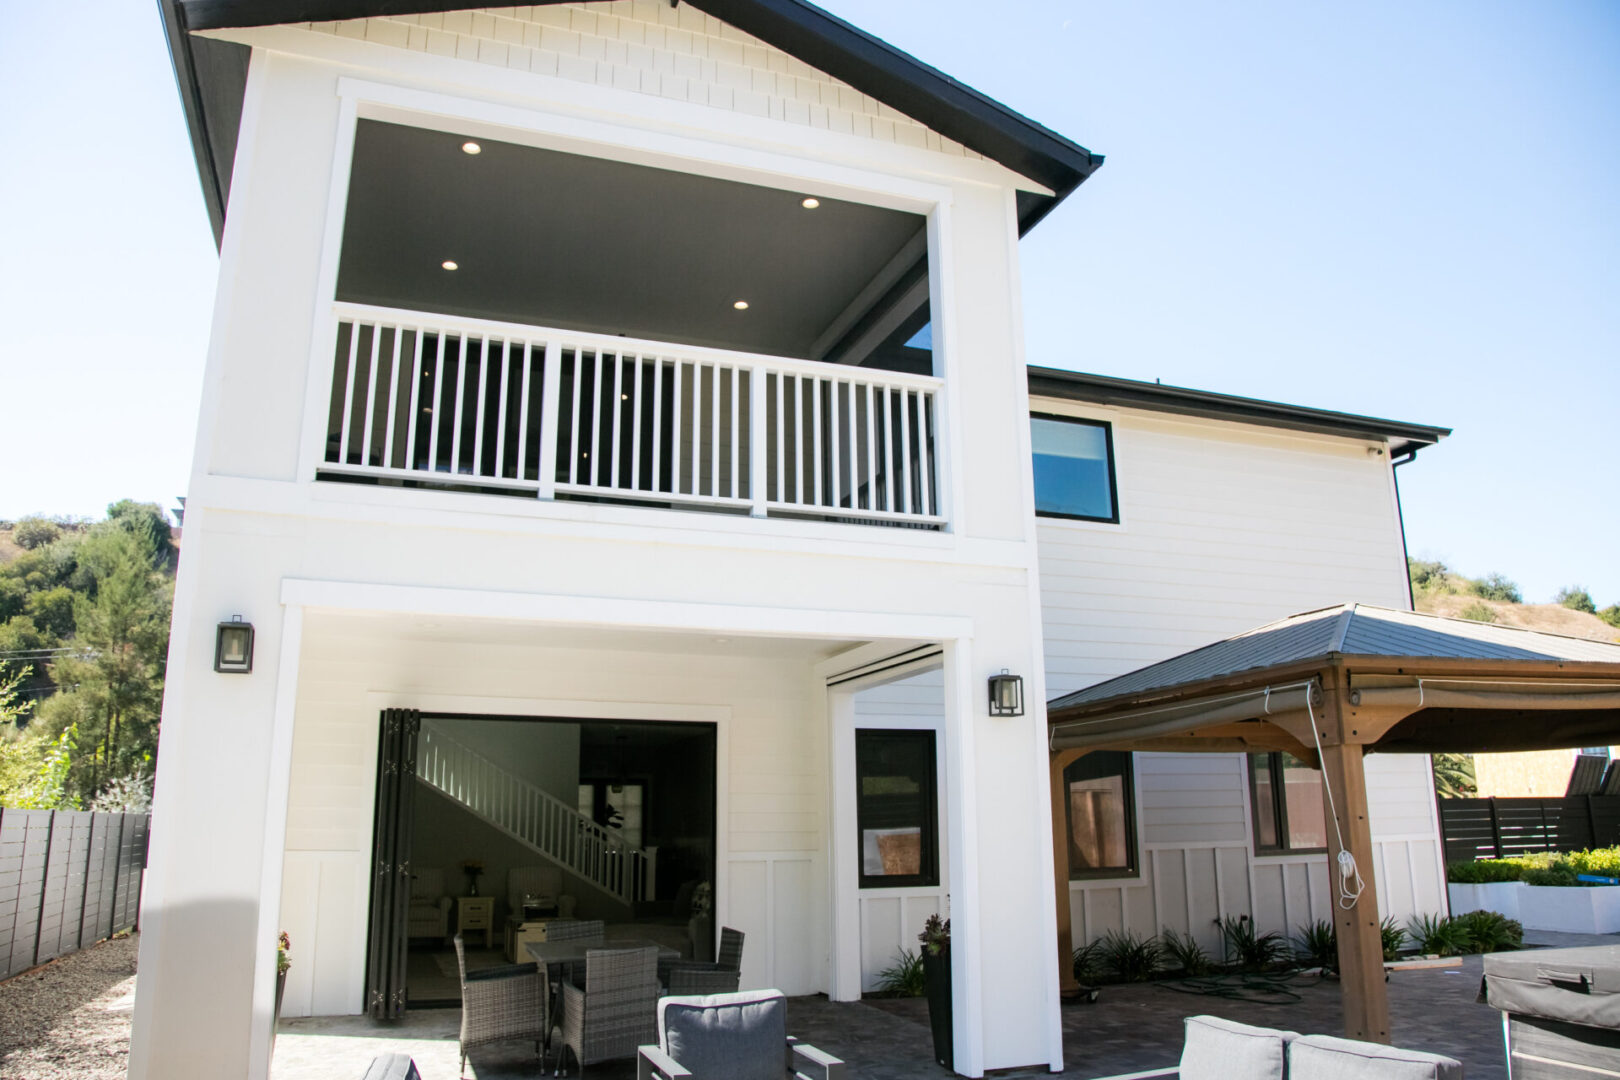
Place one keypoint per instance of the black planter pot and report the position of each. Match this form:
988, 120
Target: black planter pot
937, 981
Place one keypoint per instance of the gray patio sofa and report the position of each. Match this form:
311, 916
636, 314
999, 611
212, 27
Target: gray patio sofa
1216, 1049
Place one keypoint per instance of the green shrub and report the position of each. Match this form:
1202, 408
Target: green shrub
1440, 936
1604, 861
1318, 945
1491, 931
1087, 961
1477, 611
1611, 615
1484, 871
1426, 574
1576, 598
1129, 957
1497, 587
1454, 776
903, 978
1393, 937
1253, 951
1184, 952
35, 532
1560, 875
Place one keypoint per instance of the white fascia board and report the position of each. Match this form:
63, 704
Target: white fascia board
594, 521
613, 612
657, 113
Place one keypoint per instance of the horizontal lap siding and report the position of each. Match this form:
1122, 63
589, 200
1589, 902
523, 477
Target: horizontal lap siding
1225, 528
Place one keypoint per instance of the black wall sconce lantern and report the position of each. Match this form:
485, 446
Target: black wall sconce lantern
1006, 694
233, 647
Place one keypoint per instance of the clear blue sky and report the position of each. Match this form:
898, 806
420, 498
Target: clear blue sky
1404, 209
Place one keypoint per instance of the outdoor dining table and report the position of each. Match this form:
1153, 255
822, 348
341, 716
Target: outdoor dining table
557, 955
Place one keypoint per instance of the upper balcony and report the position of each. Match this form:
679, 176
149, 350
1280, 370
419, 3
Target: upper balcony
521, 321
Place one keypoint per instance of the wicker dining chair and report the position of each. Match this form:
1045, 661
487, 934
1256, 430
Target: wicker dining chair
499, 1004
691, 977
575, 929
731, 946
616, 1012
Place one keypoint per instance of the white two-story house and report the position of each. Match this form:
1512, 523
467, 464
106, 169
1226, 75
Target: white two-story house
616, 456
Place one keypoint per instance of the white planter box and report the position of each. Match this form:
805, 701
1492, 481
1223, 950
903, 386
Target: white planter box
1594, 910
1498, 896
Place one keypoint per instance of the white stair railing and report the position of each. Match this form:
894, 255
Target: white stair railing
526, 813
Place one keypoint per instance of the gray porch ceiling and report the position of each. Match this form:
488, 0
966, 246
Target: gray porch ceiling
557, 239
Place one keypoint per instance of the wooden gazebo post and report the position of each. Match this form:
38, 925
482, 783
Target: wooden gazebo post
1344, 793
1068, 986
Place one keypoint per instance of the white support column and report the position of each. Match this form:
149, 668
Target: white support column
844, 978
962, 831
275, 842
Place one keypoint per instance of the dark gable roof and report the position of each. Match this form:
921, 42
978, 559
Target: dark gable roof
212, 75
1129, 393
1355, 630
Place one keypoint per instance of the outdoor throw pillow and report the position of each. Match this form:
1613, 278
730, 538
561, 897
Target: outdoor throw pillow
726, 1036
1217, 1049
1323, 1057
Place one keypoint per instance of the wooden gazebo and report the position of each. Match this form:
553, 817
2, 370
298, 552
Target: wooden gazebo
1328, 687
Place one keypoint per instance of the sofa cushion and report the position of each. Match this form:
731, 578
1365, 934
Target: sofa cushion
1323, 1057
726, 1036
1217, 1049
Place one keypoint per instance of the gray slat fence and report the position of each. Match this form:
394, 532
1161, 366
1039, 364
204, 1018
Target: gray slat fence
1495, 828
68, 878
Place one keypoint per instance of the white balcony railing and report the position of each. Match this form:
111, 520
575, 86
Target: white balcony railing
468, 404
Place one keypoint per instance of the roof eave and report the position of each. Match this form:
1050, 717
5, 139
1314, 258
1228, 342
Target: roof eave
1402, 436
846, 52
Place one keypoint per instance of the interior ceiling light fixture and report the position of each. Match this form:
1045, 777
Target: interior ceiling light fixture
450, 264
741, 305
810, 204
471, 148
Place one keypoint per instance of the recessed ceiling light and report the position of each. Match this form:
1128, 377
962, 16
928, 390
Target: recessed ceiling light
810, 204
450, 264
741, 305
471, 148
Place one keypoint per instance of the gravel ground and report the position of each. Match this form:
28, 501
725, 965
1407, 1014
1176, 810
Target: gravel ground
69, 1020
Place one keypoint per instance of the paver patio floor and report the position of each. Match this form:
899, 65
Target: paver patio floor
1132, 1028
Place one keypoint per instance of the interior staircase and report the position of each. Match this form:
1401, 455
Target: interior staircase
552, 828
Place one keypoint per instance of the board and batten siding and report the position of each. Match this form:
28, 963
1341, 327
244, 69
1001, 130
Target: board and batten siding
1223, 527
772, 783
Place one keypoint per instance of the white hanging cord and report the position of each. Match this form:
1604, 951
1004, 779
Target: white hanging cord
1348, 871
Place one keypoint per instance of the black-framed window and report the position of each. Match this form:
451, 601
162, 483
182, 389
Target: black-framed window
896, 808
1074, 468
1286, 796
1101, 814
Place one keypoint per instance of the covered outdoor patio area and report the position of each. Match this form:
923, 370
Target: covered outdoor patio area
1130, 1029
1329, 687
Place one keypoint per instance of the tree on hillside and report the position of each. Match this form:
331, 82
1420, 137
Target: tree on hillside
111, 693
1498, 587
1576, 598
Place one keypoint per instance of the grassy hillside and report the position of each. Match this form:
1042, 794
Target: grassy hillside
1438, 590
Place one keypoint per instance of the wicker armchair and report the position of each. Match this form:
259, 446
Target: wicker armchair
498, 1004
730, 1035
575, 930
616, 1012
